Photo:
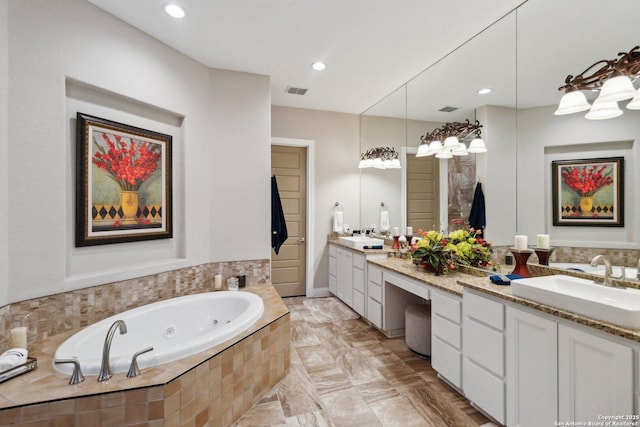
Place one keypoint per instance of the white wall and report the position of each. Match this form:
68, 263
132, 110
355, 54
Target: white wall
337, 178
67, 55
496, 169
543, 137
4, 147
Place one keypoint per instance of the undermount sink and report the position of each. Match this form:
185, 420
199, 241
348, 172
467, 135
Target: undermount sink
618, 306
359, 242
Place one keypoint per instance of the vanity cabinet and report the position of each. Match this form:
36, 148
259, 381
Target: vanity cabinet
595, 376
532, 348
348, 277
374, 295
359, 283
483, 362
333, 269
560, 371
446, 336
345, 276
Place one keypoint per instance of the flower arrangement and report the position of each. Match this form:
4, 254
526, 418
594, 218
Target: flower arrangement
586, 181
128, 164
461, 247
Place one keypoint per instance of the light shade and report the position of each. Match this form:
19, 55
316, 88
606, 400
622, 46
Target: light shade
450, 142
571, 102
617, 88
460, 150
635, 102
395, 164
477, 146
444, 155
423, 150
435, 147
603, 110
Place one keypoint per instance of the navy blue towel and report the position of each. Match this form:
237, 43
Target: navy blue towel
477, 219
278, 223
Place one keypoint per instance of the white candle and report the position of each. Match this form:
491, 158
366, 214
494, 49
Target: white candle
521, 242
543, 241
218, 281
396, 231
18, 337
409, 231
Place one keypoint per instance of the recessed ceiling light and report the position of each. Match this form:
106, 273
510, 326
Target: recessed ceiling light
318, 66
484, 91
174, 10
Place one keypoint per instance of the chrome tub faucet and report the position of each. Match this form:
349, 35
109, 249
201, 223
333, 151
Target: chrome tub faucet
105, 369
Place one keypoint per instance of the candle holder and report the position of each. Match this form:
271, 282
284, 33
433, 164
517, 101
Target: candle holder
396, 242
543, 255
521, 256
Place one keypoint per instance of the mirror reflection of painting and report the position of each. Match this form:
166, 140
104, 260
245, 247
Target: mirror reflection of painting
587, 192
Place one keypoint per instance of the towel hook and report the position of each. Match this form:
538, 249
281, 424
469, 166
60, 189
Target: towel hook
382, 204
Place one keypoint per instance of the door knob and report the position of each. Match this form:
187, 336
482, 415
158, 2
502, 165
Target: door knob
301, 240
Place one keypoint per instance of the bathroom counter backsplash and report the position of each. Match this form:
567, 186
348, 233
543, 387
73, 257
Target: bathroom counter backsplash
47, 384
456, 281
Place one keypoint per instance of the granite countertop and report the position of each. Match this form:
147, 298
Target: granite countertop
47, 384
456, 281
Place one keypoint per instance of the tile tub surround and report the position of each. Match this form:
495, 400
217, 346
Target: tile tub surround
54, 314
219, 384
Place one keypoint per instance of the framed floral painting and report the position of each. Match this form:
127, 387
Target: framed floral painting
588, 192
123, 183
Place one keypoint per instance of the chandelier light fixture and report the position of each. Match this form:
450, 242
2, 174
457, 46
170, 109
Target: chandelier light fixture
612, 78
380, 158
448, 141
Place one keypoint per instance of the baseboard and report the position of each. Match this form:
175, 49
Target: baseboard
319, 293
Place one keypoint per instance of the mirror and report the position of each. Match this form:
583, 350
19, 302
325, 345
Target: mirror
524, 58
431, 193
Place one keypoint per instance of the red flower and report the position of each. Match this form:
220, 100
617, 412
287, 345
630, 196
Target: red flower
129, 164
585, 180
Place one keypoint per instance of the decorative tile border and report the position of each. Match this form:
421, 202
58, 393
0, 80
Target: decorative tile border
54, 314
626, 257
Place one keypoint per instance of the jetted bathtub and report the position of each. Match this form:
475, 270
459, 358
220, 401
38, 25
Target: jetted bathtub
175, 328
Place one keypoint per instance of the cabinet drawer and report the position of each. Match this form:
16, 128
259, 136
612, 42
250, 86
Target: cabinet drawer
374, 313
333, 250
484, 345
358, 280
484, 389
484, 310
374, 274
358, 302
358, 261
446, 306
447, 361
333, 266
446, 330
411, 286
374, 291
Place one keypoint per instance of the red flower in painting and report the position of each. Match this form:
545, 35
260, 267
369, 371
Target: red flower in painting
128, 163
587, 180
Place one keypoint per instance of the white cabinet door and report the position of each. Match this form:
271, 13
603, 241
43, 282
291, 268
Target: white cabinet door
595, 376
345, 276
532, 346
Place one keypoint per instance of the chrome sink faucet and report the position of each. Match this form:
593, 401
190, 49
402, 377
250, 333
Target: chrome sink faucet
105, 369
608, 275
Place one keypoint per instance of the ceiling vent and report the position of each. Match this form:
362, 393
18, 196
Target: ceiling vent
295, 90
448, 109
